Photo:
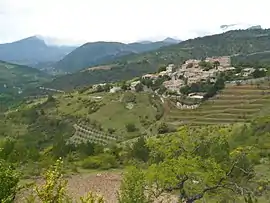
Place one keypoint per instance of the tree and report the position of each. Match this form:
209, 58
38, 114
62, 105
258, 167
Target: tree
124, 86
198, 165
162, 68
139, 87
140, 150
50, 98
163, 128
147, 82
190, 65
185, 90
258, 73
162, 90
9, 180
107, 87
133, 186
131, 127
216, 64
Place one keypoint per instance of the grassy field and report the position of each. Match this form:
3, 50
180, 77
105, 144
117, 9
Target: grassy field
233, 104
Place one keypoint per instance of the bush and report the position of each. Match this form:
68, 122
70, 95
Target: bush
131, 127
129, 97
9, 180
93, 162
163, 128
103, 161
139, 87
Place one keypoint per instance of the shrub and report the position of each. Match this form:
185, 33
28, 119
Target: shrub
132, 189
131, 127
163, 128
9, 180
139, 87
92, 162
103, 161
111, 130
129, 97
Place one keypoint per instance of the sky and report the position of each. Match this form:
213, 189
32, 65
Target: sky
77, 21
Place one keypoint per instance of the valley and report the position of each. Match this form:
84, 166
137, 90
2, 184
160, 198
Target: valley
184, 122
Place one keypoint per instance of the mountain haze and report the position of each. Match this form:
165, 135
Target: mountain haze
31, 51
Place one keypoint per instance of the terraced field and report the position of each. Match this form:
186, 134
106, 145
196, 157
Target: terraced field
233, 104
85, 134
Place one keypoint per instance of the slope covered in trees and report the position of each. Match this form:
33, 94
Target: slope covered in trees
15, 79
95, 53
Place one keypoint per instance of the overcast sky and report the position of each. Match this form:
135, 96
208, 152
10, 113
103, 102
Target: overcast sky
125, 20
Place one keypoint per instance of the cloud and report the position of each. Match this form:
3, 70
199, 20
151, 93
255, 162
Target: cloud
122, 20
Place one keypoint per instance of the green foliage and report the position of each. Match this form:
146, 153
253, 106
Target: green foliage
163, 128
102, 161
147, 82
140, 150
129, 97
258, 73
206, 65
139, 87
162, 68
130, 127
92, 198
132, 189
54, 188
9, 180
162, 90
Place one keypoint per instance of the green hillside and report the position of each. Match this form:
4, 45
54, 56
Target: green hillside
15, 79
95, 53
234, 104
121, 115
127, 67
18, 75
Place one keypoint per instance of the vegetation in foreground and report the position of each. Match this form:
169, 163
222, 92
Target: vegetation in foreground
213, 164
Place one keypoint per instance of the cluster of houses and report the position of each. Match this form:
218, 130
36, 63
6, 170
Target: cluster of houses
192, 71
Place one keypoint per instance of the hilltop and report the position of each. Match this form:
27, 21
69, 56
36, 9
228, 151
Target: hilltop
95, 53
231, 43
31, 51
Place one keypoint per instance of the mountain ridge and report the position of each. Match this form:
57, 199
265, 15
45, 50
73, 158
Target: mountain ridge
95, 53
31, 50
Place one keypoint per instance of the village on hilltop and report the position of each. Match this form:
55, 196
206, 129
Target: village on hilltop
193, 79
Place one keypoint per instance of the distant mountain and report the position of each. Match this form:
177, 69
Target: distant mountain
31, 51
171, 40
230, 43
95, 53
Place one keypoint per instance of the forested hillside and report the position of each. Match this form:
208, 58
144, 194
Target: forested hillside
15, 79
230, 43
95, 53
